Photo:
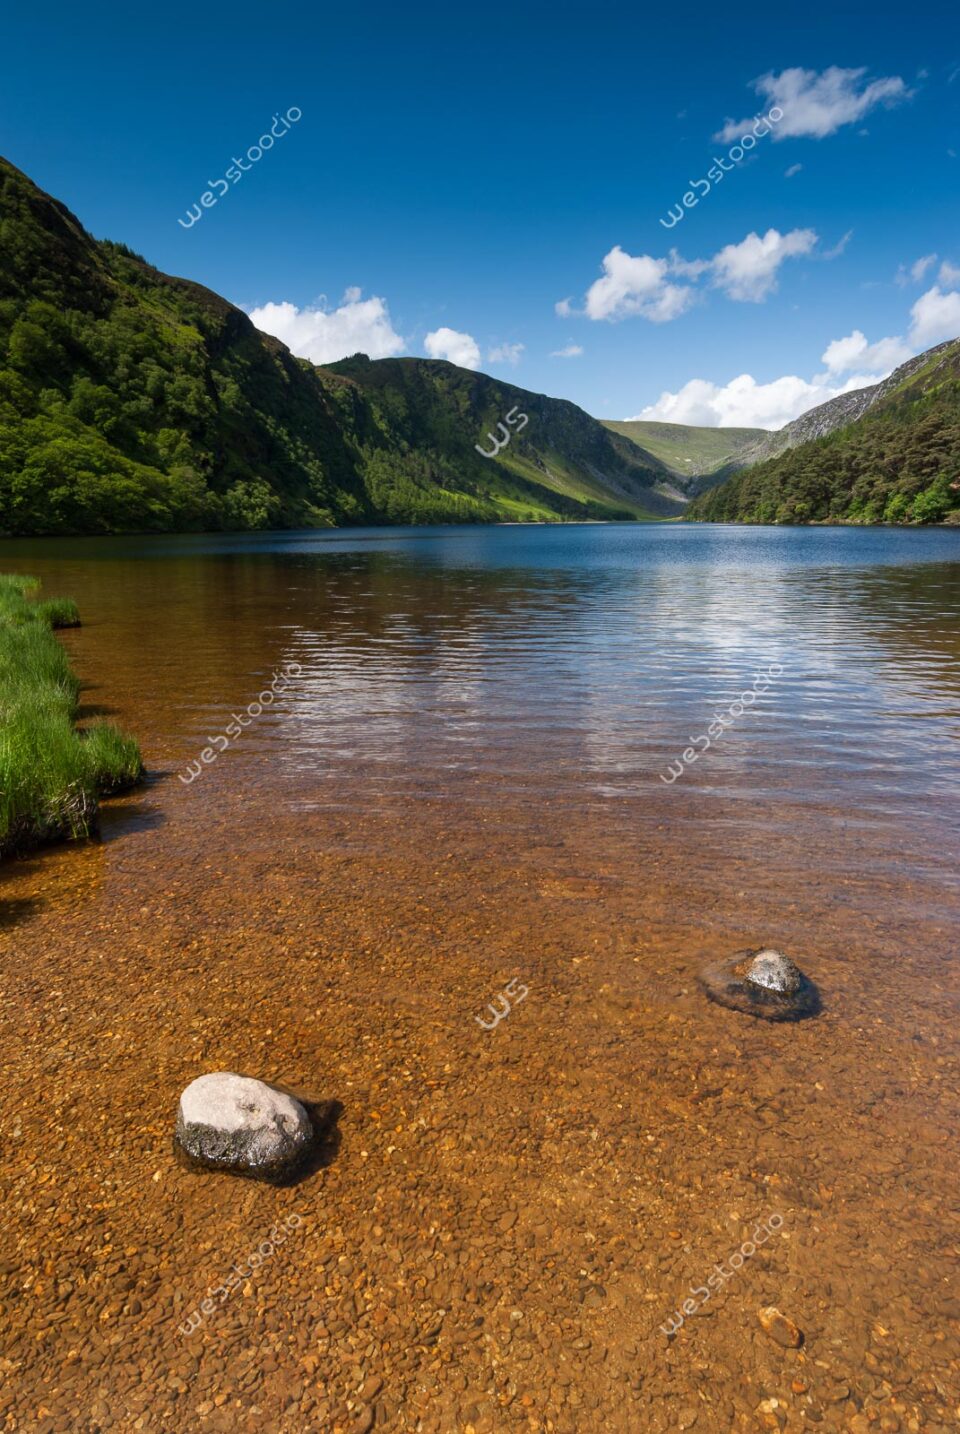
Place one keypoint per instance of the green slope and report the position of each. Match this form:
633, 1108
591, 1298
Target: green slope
899, 463
560, 457
690, 453
130, 400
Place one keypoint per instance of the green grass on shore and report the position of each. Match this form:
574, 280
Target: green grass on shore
51, 773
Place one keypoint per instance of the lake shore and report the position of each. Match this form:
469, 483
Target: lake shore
506, 1223
51, 774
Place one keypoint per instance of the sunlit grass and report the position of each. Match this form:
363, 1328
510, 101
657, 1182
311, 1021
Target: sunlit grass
51, 774
59, 612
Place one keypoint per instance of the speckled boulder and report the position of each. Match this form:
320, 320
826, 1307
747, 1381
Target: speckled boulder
775, 972
244, 1126
763, 983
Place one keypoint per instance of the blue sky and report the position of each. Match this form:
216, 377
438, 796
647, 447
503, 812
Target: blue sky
456, 172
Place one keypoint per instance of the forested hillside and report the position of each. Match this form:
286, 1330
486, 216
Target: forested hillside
899, 463
130, 400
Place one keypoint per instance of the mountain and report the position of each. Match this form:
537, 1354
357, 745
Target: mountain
559, 459
889, 453
133, 401
697, 457
836, 412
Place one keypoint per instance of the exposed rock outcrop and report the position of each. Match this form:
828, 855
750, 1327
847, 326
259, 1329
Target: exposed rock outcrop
234, 1123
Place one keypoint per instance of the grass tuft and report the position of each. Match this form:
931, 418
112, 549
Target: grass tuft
60, 612
51, 774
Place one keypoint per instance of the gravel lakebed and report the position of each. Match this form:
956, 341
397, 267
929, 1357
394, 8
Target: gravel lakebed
501, 1222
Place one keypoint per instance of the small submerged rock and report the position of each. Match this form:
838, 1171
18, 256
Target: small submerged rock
763, 983
234, 1123
780, 1328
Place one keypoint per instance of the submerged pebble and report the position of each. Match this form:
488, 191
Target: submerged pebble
781, 1329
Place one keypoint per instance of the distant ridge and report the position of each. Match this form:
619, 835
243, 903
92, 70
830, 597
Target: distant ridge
698, 457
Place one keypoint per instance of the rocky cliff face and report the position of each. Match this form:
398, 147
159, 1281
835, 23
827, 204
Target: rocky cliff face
838, 412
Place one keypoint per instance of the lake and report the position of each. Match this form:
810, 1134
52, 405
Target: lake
476, 774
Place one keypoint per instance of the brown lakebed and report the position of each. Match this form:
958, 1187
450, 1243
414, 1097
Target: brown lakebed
462, 789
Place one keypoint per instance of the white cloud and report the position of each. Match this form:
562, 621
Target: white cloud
460, 349
854, 352
748, 270
688, 268
742, 403
641, 284
323, 336
935, 316
838, 248
913, 273
816, 105
568, 351
745, 403
505, 353
636, 285
563, 308
949, 275
794, 169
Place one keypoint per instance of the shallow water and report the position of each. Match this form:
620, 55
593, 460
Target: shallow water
469, 780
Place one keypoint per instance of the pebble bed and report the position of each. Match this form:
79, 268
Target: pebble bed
502, 1221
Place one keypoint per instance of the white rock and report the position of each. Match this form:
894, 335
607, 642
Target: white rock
232, 1122
774, 971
